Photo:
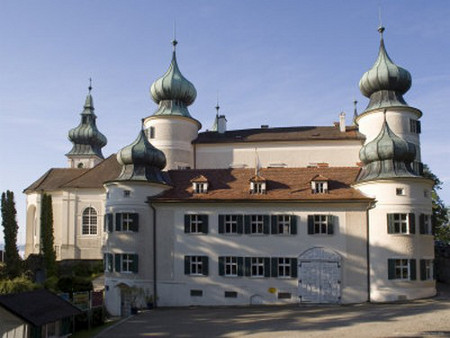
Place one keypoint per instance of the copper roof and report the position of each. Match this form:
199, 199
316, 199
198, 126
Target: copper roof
280, 134
283, 184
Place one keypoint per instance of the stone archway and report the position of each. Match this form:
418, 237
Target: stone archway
319, 273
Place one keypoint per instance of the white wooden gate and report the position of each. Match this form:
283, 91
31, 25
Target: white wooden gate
319, 273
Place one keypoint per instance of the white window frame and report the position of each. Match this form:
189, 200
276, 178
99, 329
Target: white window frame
230, 266
428, 225
126, 262
400, 191
195, 224
320, 224
284, 224
126, 221
258, 187
257, 266
401, 223
257, 224
284, 267
200, 187
402, 269
196, 266
230, 224
89, 222
429, 269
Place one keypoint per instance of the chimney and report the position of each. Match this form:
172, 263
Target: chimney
221, 124
342, 122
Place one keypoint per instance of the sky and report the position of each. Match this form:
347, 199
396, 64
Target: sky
280, 63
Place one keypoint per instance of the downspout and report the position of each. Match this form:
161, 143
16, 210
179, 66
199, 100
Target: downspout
370, 206
195, 156
155, 293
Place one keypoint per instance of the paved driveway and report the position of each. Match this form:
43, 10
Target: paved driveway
422, 318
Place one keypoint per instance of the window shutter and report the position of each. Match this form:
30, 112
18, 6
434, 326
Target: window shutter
240, 262
221, 223
105, 223
266, 221
205, 262
310, 224
266, 267
293, 225
422, 224
135, 222
423, 273
274, 225
187, 265
274, 267
117, 262
110, 222
110, 262
221, 266
187, 224
390, 224
391, 268
412, 223
105, 261
205, 219
419, 127
330, 225
247, 219
135, 264
412, 269
294, 267
118, 222
240, 225
248, 263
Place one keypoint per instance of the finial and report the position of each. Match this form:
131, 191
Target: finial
90, 85
174, 41
142, 123
355, 109
217, 105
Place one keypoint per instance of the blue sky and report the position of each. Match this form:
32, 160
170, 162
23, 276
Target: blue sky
280, 63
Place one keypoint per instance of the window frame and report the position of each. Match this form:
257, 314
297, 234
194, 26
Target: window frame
89, 226
257, 267
427, 269
231, 224
196, 265
321, 224
402, 269
401, 223
425, 224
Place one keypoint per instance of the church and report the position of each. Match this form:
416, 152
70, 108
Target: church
300, 214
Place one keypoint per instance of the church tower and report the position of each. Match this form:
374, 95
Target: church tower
87, 140
172, 128
400, 240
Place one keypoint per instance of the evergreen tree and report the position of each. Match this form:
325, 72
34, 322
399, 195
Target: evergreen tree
439, 216
47, 238
13, 261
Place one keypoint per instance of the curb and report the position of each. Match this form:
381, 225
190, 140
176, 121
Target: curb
113, 326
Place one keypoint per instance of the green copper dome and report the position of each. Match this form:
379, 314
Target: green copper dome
387, 156
173, 92
141, 161
86, 138
385, 82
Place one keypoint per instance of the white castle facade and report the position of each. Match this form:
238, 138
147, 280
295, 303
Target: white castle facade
337, 214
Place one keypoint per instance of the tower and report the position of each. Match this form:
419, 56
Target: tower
400, 240
87, 140
172, 128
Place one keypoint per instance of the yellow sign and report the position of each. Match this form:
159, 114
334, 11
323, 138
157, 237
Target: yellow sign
272, 290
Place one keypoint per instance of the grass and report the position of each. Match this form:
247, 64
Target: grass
94, 331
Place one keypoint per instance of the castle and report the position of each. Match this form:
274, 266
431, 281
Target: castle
331, 214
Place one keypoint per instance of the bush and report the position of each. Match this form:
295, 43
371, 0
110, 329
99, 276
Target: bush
17, 285
74, 284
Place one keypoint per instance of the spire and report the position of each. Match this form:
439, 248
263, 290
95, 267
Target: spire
355, 111
385, 83
173, 92
86, 138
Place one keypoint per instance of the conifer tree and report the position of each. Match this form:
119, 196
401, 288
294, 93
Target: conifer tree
13, 261
47, 238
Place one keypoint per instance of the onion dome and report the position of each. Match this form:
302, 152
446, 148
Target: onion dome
141, 161
387, 156
385, 83
173, 92
86, 138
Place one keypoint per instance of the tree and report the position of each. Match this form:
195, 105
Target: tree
47, 238
439, 216
13, 261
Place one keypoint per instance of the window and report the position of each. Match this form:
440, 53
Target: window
321, 224
200, 188
425, 224
284, 267
231, 266
108, 262
126, 263
258, 187
257, 224
151, 131
426, 269
89, 222
230, 224
284, 224
319, 184
257, 267
196, 265
230, 294
415, 126
197, 293
196, 224
284, 295
402, 269
127, 222
126, 193
108, 222
400, 191
400, 223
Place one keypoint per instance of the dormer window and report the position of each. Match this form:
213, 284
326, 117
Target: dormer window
257, 185
200, 185
319, 185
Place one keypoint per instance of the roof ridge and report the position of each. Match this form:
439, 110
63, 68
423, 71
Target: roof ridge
40, 180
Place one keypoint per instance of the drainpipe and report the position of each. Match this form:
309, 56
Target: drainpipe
370, 206
155, 293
